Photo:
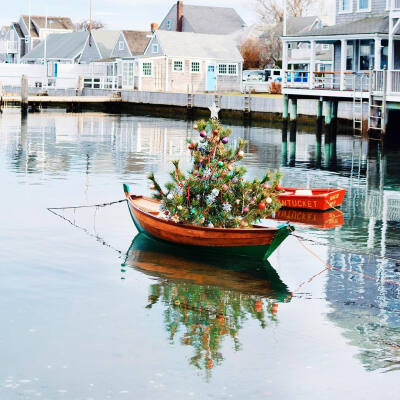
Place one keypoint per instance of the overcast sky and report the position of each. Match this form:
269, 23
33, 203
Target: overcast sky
116, 14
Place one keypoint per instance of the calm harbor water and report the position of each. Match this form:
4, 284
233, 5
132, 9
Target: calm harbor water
89, 313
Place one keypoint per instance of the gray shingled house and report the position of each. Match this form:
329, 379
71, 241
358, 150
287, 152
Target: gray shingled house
30, 30
130, 44
99, 45
202, 19
178, 61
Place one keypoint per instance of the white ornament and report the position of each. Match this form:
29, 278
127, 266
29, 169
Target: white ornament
269, 200
170, 196
215, 192
210, 225
214, 111
240, 153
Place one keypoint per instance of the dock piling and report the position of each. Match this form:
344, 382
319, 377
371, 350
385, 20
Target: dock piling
24, 94
285, 113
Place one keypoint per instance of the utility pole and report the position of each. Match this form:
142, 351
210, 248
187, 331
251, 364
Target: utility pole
29, 24
90, 22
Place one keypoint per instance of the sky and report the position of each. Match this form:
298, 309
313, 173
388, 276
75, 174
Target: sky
116, 14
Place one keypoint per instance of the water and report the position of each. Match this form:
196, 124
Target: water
87, 314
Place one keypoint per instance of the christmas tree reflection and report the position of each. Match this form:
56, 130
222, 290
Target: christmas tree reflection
206, 301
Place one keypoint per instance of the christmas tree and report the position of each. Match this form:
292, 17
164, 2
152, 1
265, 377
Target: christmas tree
214, 192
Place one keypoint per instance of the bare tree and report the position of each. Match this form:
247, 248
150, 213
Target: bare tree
84, 25
271, 11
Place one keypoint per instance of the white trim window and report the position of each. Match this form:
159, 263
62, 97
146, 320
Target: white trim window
147, 68
178, 66
345, 6
227, 69
195, 67
121, 45
154, 48
364, 5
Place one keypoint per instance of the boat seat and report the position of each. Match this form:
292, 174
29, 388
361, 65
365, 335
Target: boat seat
148, 206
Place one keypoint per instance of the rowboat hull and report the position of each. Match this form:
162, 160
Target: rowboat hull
320, 199
256, 242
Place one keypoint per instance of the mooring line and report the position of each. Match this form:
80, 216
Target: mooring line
88, 206
329, 266
97, 237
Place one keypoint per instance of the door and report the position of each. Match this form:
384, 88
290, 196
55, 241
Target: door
211, 81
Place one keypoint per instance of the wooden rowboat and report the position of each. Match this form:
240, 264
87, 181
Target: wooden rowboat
312, 199
256, 242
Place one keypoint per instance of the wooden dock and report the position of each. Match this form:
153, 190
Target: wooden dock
62, 99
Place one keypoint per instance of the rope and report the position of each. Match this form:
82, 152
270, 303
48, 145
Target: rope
89, 206
329, 266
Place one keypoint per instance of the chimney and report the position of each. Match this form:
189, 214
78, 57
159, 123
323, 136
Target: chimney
154, 26
179, 15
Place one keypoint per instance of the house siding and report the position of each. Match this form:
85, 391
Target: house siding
172, 17
90, 52
149, 49
117, 53
378, 7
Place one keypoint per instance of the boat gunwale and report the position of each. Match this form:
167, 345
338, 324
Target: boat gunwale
260, 229
326, 192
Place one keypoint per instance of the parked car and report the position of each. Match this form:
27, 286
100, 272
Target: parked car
250, 75
273, 74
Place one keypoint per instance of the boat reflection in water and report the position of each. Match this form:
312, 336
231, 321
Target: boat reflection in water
206, 299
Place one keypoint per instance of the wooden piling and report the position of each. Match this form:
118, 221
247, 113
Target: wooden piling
24, 94
285, 113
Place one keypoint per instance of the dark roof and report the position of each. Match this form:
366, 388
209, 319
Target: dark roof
137, 41
212, 20
368, 25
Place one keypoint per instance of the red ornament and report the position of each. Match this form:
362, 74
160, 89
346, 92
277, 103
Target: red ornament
261, 205
215, 132
224, 187
258, 305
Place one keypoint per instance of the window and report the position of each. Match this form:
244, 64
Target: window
232, 69
169, 24
325, 47
345, 6
178, 66
364, 5
195, 66
227, 69
222, 69
349, 56
121, 45
146, 68
155, 48
366, 54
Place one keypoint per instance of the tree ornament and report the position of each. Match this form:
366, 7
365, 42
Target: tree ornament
261, 205
243, 224
180, 208
170, 196
230, 168
220, 164
266, 186
258, 305
203, 134
237, 201
215, 132
269, 200
210, 225
224, 187
152, 187
215, 192
195, 126
240, 153
245, 209
225, 140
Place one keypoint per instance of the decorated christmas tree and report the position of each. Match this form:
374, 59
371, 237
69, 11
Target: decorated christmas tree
214, 192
